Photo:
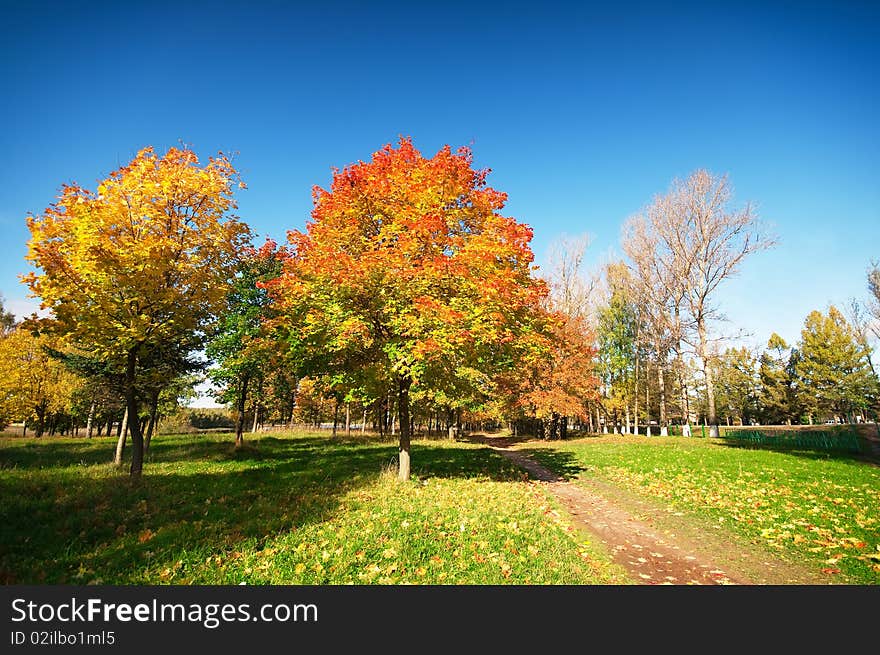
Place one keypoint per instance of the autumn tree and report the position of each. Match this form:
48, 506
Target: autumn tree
835, 379
409, 270
657, 290
561, 383
863, 327
33, 384
142, 262
558, 382
571, 289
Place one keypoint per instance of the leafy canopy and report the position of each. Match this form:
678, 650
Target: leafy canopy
143, 259
408, 271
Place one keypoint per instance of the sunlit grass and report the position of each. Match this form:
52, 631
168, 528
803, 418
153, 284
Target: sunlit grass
284, 510
811, 507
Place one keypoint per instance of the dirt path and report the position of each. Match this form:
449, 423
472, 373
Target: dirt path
656, 545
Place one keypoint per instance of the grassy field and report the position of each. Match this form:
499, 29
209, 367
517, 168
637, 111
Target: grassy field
286, 509
815, 508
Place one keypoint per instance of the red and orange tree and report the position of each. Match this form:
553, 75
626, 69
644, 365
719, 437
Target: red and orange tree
409, 275
558, 384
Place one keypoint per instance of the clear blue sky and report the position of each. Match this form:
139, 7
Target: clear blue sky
583, 112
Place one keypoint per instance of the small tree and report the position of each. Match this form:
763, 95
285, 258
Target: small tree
738, 384
7, 319
776, 395
241, 346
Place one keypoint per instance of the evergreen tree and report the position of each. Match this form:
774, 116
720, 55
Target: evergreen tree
776, 399
835, 380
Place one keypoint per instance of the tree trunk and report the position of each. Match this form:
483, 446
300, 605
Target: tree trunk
335, 417
91, 417
41, 421
404, 384
712, 418
647, 403
661, 382
151, 426
636, 383
685, 407
239, 419
292, 406
347, 419
137, 438
364, 422
392, 419
121, 437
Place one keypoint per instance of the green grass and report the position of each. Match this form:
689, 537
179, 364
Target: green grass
286, 509
815, 508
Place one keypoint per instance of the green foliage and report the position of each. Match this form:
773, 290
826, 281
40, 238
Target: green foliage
617, 348
617, 328
776, 394
239, 347
737, 386
186, 420
835, 377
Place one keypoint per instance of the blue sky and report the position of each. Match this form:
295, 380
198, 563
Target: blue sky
583, 112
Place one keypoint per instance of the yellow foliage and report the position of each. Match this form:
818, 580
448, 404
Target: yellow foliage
143, 260
32, 384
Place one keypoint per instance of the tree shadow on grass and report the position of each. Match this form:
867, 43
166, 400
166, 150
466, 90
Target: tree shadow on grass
801, 451
71, 525
562, 463
49, 452
457, 462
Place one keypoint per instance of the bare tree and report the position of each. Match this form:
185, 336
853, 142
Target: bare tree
692, 241
874, 302
863, 325
571, 289
657, 292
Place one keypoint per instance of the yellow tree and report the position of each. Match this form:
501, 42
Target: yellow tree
33, 385
139, 266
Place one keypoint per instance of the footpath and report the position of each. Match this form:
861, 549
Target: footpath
655, 545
